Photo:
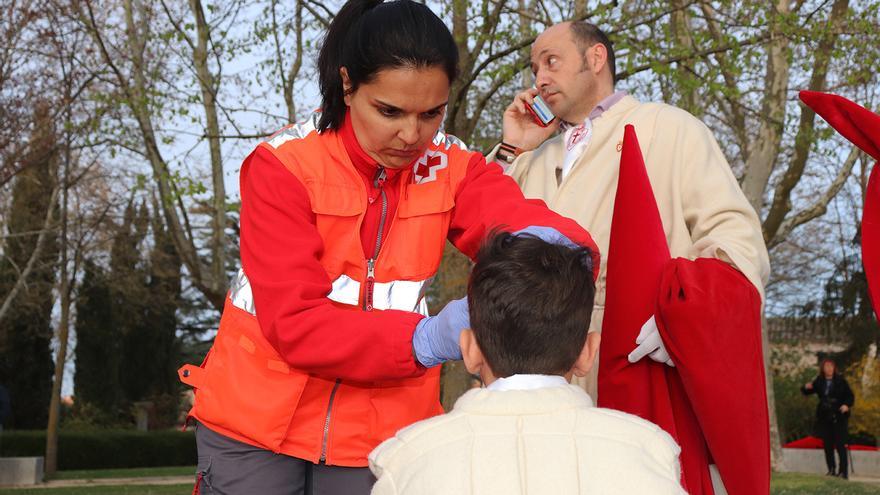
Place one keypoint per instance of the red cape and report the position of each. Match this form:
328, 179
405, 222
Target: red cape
810, 442
708, 314
862, 127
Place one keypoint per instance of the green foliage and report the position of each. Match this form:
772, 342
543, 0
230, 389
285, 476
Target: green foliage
100, 449
26, 366
864, 379
127, 348
96, 384
795, 412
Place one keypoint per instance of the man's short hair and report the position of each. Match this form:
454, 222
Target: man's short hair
587, 34
530, 304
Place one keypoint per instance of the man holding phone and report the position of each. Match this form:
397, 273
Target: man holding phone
703, 211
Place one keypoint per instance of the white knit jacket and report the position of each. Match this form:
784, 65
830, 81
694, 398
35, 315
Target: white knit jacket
542, 441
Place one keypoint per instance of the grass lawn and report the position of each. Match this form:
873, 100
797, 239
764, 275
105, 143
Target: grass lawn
810, 484
783, 484
94, 474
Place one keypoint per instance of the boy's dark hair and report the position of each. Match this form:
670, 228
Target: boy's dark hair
367, 36
587, 34
530, 304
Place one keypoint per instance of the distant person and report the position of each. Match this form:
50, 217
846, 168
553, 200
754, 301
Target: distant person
529, 431
832, 414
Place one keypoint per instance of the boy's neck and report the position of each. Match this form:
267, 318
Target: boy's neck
489, 378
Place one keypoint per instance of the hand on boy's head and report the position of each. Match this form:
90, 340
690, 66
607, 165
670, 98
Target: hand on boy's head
547, 234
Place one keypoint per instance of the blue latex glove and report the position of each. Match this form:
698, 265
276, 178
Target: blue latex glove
435, 340
547, 234
552, 236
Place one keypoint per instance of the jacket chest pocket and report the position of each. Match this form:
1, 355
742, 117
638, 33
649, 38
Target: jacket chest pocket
338, 210
420, 227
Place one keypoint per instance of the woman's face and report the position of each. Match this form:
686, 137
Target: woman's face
828, 368
396, 115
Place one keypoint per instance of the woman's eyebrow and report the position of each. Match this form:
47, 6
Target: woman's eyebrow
392, 107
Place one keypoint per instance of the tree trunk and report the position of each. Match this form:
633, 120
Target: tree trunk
766, 147
64, 323
803, 142
580, 9
209, 87
777, 459
525, 29
456, 112
686, 77
134, 88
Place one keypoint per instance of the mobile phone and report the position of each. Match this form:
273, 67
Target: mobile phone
541, 112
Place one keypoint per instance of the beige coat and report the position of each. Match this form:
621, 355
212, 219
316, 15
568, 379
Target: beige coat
703, 210
544, 441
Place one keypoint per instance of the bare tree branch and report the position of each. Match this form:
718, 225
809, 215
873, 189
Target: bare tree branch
48, 220
820, 206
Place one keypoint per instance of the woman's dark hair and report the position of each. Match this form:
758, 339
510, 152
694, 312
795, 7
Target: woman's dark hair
367, 36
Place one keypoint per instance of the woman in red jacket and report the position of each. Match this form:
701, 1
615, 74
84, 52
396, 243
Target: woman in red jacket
325, 347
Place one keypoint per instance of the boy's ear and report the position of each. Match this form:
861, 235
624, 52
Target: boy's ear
470, 352
588, 354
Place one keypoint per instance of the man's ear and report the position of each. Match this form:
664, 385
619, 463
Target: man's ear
587, 357
470, 352
597, 58
346, 85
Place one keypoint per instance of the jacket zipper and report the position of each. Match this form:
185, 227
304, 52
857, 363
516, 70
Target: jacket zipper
378, 182
327, 421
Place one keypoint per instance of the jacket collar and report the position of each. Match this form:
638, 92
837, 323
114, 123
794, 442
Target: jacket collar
483, 401
364, 163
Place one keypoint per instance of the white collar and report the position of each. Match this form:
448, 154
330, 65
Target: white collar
527, 382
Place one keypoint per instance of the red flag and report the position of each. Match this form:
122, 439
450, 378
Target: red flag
862, 127
871, 238
637, 253
718, 376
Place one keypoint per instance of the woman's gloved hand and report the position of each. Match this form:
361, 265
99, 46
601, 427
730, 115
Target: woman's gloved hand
547, 234
435, 340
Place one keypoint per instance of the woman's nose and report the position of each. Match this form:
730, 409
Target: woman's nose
409, 132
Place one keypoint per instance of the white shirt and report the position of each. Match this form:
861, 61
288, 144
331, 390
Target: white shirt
527, 382
577, 137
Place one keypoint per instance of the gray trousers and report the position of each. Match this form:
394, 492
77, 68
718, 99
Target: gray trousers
229, 467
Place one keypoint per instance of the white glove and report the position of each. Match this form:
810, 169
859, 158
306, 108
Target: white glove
650, 344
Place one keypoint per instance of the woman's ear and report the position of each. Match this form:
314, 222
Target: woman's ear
470, 352
587, 357
346, 85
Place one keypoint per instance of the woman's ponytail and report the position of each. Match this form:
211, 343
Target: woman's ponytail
331, 57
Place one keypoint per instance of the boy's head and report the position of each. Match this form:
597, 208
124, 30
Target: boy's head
530, 305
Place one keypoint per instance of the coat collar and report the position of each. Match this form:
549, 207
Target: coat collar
483, 401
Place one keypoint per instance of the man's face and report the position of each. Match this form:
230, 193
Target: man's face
563, 75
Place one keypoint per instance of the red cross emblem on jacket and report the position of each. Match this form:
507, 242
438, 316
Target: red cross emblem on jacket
426, 167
